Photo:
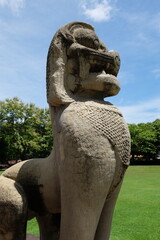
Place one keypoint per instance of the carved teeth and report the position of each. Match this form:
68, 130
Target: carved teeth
107, 61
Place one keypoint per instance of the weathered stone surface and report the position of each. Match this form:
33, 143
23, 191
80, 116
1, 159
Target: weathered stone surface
32, 237
72, 193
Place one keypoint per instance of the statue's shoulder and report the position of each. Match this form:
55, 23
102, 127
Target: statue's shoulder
94, 106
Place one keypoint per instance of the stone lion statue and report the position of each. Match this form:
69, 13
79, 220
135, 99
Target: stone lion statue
72, 193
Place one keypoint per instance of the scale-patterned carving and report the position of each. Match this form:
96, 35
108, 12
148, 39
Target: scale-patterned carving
108, 121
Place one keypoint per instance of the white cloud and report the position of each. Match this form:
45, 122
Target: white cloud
156, 73
97, 10
155, 22
142, 112
14, 5
143, 21
142, 40
138, 18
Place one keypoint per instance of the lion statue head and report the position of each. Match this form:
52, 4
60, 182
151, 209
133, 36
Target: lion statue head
79, 65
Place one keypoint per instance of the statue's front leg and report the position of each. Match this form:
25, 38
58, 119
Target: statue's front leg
49, 226
86, 173
13, 210
105, 221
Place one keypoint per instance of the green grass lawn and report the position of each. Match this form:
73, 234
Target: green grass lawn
32, 227
137, 213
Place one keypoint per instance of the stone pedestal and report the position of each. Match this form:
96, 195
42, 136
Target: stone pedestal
32, 237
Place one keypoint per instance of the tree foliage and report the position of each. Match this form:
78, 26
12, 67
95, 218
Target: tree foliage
25, 130
145, 139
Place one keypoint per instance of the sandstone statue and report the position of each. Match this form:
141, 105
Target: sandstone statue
72, 193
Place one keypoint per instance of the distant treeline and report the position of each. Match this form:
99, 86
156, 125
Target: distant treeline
26, 132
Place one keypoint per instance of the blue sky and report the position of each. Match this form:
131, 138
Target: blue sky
130, 27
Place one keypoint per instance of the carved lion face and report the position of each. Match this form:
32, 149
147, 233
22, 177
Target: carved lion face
79, 64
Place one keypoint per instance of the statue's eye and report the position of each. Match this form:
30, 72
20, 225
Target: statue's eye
87, 38
89, 42
96, 44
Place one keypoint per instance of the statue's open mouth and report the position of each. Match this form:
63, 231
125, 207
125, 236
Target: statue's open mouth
98, 70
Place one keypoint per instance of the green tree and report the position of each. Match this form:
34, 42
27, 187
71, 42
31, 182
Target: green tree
25, 130
156, 127
145, 139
